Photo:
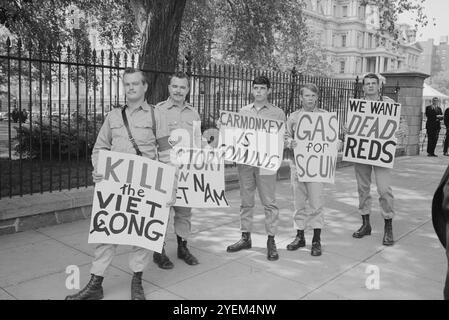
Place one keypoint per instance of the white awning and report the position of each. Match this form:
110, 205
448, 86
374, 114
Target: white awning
429, 93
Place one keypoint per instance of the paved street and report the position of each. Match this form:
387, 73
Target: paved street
33, 263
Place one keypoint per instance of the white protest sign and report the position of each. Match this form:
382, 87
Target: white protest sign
251, 140
317, 146
129, 205
371, 132
201, 181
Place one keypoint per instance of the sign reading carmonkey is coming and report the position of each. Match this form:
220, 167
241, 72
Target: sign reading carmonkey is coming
251, 140
129, 205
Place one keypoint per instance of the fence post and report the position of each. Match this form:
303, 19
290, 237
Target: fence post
292, 91
356, 87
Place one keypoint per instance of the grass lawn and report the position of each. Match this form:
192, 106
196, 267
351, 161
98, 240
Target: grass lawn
35, 176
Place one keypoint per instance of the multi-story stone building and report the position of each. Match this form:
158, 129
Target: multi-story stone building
348, 32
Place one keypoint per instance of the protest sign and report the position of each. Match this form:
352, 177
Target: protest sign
129, 205
251, 140
371, 127
317, 146
201, 182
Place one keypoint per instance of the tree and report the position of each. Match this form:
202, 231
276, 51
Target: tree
248, 32
389, 10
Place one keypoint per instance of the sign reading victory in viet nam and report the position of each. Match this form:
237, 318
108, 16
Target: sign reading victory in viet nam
201, 181
371, 127
251, 140
317, 146
129, 205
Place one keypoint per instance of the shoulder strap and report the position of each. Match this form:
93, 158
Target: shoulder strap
153, 120
125, 121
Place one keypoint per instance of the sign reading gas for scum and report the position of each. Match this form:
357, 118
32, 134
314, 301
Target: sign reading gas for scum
201, 182
371, 127
251, 140
129, 205
317, 146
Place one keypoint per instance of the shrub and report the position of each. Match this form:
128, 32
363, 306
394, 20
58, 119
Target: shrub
69, 141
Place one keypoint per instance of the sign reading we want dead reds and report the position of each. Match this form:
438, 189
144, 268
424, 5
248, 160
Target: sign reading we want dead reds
371, 132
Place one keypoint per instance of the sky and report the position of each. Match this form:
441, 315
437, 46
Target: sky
435, 9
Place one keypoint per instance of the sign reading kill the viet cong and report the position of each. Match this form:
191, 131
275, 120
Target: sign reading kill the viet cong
371, 132
129, 205
251, 140
201, 182
317, 146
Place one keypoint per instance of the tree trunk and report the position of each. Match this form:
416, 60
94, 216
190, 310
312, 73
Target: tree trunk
160, 45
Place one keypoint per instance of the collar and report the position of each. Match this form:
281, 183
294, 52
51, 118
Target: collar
171, 105
379, 98
264, 106
145, 107
316, 109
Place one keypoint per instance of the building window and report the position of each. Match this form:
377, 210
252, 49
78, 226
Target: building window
370, 41
359, 40
342, 67
343, 40
362, 12
344, 12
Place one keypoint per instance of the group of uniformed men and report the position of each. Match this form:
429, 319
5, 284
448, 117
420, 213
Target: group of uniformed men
150, 127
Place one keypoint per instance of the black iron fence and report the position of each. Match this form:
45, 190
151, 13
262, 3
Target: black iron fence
54, 100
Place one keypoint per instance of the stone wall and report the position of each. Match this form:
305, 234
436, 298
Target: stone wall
410, 97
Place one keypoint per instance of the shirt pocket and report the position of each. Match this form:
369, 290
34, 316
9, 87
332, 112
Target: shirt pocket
143, 130
172, 125
117, 129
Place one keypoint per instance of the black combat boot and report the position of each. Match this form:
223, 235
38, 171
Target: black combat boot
388, 233
243, 243
365, 229
299, 241
162, 260
316, 243
184, 253
272, 252
92, 291
137, 292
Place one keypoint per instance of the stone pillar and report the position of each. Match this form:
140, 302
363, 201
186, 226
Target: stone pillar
410, 97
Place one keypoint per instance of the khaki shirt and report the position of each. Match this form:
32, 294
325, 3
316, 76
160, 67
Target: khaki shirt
176, 117
113, 135
267, 111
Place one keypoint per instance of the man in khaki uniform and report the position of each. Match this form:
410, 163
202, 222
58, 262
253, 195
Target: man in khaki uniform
144, 122
179, 114
252, 178
363, 172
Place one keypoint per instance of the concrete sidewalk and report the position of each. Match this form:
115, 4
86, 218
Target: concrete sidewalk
33, 263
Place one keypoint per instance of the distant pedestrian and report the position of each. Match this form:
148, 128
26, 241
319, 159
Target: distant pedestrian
440, 220
15, 115
23, 116
446, 138
434, 115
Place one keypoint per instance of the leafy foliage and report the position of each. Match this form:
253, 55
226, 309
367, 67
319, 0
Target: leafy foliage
74, 140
